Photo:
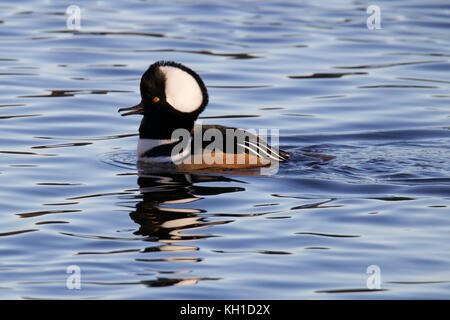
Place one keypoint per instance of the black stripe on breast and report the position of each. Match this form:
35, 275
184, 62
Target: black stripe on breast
164, 150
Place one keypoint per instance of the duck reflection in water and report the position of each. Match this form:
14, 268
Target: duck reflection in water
165, 215
161, 214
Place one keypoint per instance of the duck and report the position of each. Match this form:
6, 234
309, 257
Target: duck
172, 98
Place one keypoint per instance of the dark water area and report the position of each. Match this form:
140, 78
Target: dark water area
378, 100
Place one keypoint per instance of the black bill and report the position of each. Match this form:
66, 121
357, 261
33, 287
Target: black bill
137, 109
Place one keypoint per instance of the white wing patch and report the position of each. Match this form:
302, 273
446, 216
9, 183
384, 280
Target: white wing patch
182, 90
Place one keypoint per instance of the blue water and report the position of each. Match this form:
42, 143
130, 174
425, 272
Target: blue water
378, 100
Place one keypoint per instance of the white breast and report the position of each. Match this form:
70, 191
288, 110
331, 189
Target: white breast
145, 145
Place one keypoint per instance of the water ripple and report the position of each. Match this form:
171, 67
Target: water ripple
364, 114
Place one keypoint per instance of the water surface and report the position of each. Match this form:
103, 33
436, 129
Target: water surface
378, 100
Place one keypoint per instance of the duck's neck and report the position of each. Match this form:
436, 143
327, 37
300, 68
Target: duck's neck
156, 141
162, 127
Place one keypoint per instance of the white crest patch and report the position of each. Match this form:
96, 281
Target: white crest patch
182, 90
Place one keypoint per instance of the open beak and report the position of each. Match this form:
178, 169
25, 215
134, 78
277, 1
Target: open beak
137, 109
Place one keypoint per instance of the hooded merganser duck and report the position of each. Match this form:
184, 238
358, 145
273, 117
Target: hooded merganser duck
172, 98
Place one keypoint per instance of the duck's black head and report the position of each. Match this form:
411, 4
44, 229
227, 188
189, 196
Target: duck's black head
172, 97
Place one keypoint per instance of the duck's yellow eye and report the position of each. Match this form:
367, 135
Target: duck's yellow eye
155, 99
